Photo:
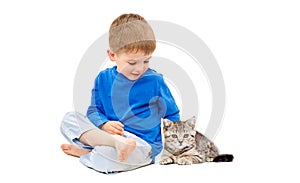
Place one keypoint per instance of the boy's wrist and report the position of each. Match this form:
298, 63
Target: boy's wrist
100, 126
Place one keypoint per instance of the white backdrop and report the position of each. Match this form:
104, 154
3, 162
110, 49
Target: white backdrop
256, 44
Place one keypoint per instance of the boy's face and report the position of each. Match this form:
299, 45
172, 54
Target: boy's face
131, 65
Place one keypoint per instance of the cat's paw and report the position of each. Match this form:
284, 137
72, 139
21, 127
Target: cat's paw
166, 161
184, 161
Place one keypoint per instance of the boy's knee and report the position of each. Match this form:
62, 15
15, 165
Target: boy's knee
65, 123
144, 151
69, 126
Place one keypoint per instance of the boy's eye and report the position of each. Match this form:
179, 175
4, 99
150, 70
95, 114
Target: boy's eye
131, 63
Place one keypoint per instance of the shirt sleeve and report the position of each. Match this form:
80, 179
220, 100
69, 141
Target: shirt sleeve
95, 111
166, 102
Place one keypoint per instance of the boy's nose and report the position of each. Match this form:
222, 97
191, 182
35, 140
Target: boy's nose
139, 68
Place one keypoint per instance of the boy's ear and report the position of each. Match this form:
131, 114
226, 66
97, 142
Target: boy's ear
112, 56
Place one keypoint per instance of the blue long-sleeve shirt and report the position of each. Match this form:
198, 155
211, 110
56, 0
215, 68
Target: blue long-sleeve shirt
139, 105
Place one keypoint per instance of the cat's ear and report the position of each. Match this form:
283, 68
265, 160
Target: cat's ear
192, 122
167, 123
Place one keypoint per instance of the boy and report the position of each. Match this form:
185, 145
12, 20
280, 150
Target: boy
123, 129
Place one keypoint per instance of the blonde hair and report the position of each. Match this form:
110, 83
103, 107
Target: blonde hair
131, 33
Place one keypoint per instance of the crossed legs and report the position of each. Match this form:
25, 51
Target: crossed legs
97, 137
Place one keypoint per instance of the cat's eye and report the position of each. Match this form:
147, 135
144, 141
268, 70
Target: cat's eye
186, 136
174, 136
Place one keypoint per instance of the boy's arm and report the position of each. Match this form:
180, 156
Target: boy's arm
95, 111
167, 103
96, 116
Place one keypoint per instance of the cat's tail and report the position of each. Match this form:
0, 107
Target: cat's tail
223, 158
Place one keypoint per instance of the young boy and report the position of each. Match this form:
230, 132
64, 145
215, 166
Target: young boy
122, 129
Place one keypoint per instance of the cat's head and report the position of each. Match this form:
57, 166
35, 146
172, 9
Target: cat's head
180, 135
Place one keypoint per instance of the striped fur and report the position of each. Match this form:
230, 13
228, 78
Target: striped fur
184, 145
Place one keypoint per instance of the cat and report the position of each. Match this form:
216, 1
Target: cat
184, 145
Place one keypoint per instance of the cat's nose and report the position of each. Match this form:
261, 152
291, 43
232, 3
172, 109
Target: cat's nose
180, 142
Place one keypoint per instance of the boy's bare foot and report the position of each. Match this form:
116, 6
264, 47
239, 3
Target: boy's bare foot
124, 147
73, 150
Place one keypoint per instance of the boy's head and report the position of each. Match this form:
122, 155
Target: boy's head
131, 42
130, 33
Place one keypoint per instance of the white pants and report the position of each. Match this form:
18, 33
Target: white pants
103, 158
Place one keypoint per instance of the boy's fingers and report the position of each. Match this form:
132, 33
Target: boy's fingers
115, 127
116, 131
120, 128
119, 124
120, 133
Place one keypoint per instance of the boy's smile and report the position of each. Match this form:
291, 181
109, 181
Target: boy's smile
131, 65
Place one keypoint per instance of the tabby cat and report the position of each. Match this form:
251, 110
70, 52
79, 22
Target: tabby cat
184, 145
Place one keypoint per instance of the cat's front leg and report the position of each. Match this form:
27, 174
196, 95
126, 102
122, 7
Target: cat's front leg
166, 161
184, 161
189, 159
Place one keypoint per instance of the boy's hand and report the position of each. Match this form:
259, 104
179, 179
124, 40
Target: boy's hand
113, 127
